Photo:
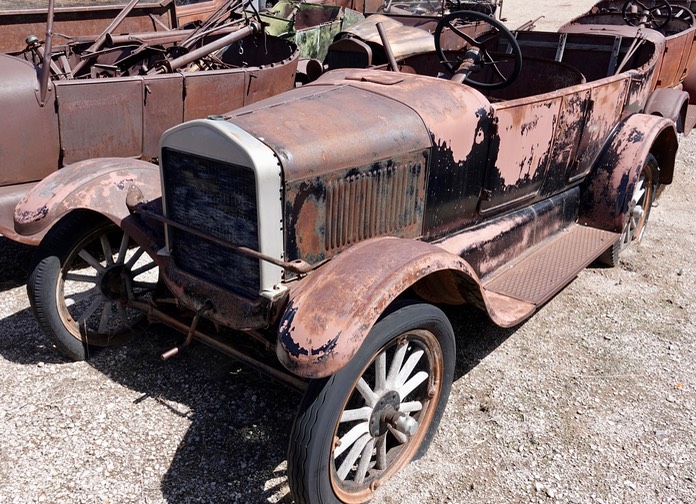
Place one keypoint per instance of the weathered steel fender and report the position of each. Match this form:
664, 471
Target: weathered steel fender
672, 104
100, 185
329, 316
608, 188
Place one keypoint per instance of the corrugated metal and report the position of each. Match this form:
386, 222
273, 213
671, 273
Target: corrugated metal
371, 204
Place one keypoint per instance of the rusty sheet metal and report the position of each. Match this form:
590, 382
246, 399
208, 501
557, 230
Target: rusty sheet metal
404, 40
608, 188
16, 25
327, 214
228, 88
486, 248
571, 124
675, 49
26, 154
606, 108
100, 117
163, 107
525, 135
100, 185
317, 120
316, 337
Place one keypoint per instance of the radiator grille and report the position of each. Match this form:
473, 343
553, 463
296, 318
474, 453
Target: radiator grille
374, 203
218, 199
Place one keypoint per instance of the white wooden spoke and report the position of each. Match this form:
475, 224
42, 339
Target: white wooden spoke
381, 372
123, 249
106, 248
73, 299
365, 459
408, 368
143, 269
76, 277
350, 437
356, 414
352, 456
106, 314
135, 257
367, 393
397, 361
412, 384
381, 455
400, 437
96, 303
89, 259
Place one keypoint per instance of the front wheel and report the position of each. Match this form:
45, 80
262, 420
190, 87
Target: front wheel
79, 282
358, 427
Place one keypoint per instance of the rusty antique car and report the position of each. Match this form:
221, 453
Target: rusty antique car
314, 235
114, 93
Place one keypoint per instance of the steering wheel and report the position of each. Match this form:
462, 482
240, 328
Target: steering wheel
479, 52
637, 12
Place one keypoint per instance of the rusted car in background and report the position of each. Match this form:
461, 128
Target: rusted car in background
675, 21
314, 235
113, 94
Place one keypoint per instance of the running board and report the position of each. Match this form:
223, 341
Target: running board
538, 275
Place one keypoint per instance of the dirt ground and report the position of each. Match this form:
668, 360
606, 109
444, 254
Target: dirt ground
590, 401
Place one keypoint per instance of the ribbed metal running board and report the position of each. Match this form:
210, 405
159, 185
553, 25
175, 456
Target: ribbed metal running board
540, 274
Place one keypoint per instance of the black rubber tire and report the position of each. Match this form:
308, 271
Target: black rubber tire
61, 244
311, 470
651, 171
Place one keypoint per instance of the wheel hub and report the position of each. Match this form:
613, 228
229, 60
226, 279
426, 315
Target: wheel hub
111, 283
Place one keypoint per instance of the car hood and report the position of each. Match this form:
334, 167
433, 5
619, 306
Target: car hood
351, 118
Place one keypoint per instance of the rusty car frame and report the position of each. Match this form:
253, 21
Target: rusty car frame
114, 93
315, 234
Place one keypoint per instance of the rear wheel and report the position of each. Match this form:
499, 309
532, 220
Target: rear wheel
358, 427
79, 280
638, 212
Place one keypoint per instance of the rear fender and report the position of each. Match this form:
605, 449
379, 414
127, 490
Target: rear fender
608, 188
672, 104
100, 185
330, 315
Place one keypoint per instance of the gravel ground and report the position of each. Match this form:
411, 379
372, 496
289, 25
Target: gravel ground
591, 400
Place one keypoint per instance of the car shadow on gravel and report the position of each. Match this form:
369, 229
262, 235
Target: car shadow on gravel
14, 263
476, 336
235, 447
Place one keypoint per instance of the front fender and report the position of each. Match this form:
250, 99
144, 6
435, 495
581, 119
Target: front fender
608, 188
329, 316
99, 185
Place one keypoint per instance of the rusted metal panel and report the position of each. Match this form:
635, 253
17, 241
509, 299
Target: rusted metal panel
606, 106
487, 248
317, 336
16, 25
163, 107
327, 214
520, 148
100, 117
100, 185
228, 88
571, 124
607, 189
27, 154
672, 70
319, 120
